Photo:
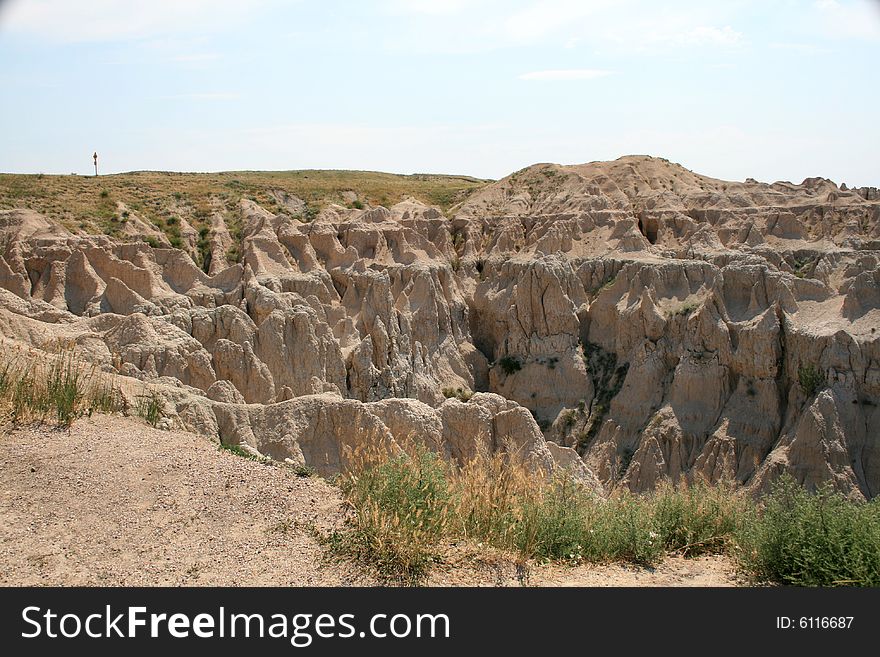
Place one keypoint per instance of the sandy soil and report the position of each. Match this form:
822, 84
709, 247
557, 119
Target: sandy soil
115, 502
469, 567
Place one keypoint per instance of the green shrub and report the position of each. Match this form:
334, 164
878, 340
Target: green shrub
621, 529
568, 419
683, 310
699, 518
554, 524
149, 407
812, 539
457, 393
304, 471
238, 450
607, 377
400, 508
509, 365
310, 211
811, 379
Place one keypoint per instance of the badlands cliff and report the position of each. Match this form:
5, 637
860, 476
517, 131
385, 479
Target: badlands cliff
629, 320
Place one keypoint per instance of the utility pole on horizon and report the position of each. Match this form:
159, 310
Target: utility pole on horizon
95, 156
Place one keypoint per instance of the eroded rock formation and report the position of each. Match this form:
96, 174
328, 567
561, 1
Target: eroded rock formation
631, 320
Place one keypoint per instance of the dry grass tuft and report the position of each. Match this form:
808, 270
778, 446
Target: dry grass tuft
407, 503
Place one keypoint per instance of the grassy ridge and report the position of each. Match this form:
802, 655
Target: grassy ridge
89, 203
405, 505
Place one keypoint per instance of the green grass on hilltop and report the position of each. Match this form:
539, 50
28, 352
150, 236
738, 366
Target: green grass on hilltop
89, 203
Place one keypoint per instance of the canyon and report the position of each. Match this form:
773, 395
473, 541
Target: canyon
627, 322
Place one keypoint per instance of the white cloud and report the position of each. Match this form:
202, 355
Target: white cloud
110, 20
566, 74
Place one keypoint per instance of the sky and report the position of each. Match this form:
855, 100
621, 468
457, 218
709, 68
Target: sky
768, 89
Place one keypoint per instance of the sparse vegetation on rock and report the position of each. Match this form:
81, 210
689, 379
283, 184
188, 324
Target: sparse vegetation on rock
509, 365
810, 379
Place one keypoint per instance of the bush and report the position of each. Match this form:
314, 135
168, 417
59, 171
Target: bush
510, 364
698, 519
400, 507
683, 310
238, 450
621, 529
553, 524
458, 393
404, 504
568, 419
310, 211
811, 379
812, 539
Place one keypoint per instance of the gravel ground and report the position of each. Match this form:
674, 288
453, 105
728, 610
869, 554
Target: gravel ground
114, 502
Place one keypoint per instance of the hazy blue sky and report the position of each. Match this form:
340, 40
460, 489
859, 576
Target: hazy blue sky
773, 89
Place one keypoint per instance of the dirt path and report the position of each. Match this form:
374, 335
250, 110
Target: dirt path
115, 502
468, 568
